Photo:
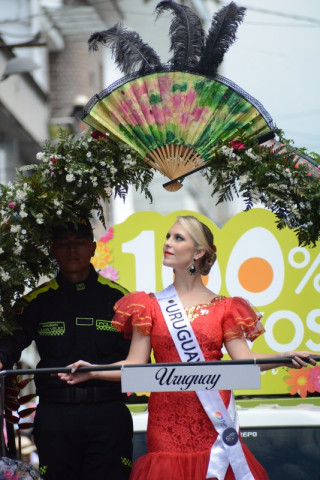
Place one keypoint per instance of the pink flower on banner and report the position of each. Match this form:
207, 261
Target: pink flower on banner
110, 273
314, 380
107, 236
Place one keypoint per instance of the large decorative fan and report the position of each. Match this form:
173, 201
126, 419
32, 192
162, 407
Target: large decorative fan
176, 115
176, 119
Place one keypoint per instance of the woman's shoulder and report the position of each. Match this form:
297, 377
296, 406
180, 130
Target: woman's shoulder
140, 298
231, 304
134, 310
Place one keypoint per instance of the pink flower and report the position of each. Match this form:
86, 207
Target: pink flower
197, 112
107, 236
158, 114
53, 160
126, 112
12, 204
99, 135
110, 273
314, 380
237, 145
9, 474
190, 98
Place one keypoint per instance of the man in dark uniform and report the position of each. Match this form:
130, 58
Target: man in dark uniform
82, 432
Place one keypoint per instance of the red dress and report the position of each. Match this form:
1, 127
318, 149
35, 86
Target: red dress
179, 434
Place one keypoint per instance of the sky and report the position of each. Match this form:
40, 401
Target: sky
276, 59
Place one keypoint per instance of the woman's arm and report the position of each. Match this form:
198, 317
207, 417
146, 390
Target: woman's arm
238, 350
139, 353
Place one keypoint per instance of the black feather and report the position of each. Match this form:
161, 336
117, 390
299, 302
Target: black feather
186, 34
221, 36
129, 51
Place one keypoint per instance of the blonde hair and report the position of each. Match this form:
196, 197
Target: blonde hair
203, 239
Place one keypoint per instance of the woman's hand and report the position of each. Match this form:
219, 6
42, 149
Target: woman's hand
299, 359
76, 377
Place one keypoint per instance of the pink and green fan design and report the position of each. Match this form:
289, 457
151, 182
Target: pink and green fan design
175, 119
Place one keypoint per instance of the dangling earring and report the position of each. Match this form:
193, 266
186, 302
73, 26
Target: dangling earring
192, 269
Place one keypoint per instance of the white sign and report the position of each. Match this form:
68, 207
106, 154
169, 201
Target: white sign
193, 377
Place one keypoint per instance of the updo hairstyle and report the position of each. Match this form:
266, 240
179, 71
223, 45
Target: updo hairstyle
203, 239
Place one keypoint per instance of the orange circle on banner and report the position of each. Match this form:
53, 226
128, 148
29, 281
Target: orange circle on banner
255, 274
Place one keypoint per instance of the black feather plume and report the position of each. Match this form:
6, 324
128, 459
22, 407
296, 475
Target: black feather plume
129, 51
221, 36
186, 34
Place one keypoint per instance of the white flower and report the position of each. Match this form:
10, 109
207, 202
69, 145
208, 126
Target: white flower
17, 250
70, 177
1, 250
103, 164
88, 154
23, 214
40, 156
252, 155
23, 231
113, 170
4, 276
39, 219
59, 212
15, 228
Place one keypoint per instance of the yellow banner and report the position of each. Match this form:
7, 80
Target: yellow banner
255, 261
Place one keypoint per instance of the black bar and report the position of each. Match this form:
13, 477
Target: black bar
95, 368
184, 176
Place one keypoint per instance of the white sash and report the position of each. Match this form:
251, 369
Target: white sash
227, 447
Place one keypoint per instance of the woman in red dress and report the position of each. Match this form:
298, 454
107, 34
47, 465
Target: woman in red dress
180, 436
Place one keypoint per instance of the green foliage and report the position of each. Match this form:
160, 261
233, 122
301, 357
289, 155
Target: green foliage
72, 175
262, 177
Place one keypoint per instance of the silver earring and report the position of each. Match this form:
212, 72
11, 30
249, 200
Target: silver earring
192, 269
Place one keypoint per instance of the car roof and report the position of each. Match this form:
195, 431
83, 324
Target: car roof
269, 416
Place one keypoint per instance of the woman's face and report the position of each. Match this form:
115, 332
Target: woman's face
179, 249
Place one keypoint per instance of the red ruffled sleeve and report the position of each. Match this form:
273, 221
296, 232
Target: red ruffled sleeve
133, 310
241, 319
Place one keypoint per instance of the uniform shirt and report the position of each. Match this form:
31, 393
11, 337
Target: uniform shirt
69, 322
